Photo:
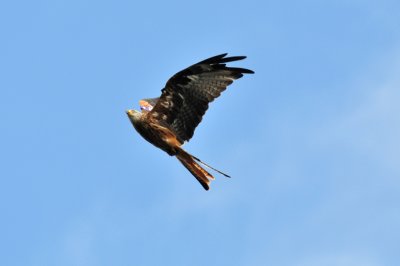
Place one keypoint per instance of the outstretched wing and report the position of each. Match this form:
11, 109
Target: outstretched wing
186, 96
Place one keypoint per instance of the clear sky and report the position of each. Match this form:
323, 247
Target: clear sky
312, 140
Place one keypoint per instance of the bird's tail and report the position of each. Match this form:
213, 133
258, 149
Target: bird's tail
192, 164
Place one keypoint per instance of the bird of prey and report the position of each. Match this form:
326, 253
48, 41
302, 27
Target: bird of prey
169, 121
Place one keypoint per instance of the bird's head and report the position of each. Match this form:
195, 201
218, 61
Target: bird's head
134, 115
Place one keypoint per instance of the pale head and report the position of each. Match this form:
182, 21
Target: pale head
134, 115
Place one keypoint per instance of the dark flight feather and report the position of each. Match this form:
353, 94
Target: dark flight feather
186, 96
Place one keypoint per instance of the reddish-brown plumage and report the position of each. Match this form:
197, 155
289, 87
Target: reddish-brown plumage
167, 122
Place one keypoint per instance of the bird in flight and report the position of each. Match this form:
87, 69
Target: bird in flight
169, 121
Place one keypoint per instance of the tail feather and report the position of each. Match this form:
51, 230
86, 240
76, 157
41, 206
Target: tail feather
209, 166
197, 171
191, 163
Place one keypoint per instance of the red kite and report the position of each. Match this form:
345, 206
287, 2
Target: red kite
170, 120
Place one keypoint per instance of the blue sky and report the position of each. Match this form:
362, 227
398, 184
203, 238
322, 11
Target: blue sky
311, 140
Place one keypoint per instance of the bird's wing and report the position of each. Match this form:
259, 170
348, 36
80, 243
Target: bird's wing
147, 104
186, 96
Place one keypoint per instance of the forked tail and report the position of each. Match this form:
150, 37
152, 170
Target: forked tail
192, 164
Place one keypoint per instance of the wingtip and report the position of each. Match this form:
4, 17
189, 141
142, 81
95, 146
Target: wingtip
232, 58
214, 59
222, 58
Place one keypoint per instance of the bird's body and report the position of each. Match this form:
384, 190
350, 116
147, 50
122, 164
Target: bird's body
167, 122
153, 132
